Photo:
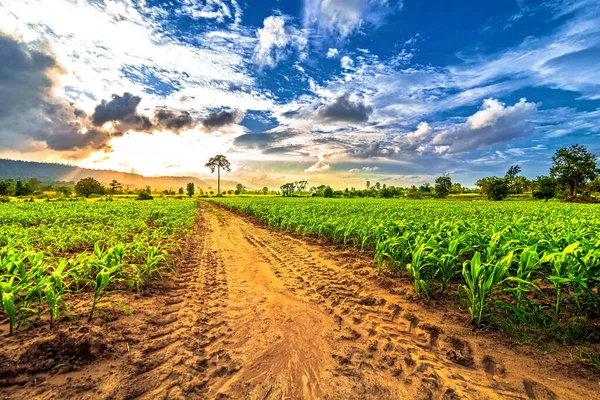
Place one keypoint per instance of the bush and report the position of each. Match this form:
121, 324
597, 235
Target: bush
145, 195
94, 196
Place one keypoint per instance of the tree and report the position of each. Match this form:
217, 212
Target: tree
328, 192
511, 178
115, 186
240, 188
64, 190
287, 189
4, 188
573, 166
301, 186
493, 187
190, 189
368, 185
265, 190
443, 185
546, 188
377, 186
218, 162
145, 194
180, 190
413, 193
87, 186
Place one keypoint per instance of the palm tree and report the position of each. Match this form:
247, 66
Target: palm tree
218, 162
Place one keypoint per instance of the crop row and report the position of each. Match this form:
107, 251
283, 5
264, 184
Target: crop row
52, 250
531, 263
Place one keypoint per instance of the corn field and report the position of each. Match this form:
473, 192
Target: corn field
530, 263
52, 250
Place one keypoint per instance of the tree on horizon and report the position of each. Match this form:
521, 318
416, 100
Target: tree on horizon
217, 162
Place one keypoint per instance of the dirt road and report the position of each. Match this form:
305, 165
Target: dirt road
257, 314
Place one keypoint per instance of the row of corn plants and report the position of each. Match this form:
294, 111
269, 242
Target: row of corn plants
96, 247
530, 262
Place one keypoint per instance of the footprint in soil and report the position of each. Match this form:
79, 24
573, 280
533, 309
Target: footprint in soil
537, 391
492, 369
434, 334
460, 351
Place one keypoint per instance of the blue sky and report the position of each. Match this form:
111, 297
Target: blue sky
331, 91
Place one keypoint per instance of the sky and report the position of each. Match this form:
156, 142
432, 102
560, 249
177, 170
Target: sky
329, 91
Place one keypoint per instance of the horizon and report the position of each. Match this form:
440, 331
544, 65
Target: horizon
333, 92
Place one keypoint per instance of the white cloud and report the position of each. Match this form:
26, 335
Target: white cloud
320, 166
272, 38
344, 17
274, 41
422, 132
346, 62
364, 169
332, 53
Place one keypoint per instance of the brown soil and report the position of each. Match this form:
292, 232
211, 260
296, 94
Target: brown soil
257, 314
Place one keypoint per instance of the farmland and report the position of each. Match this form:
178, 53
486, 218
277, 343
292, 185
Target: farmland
51, 250
517, 264
393, 299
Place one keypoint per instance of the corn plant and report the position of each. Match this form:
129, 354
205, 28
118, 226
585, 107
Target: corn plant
103, 279
480, 281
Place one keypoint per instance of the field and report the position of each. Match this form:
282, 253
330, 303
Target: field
533, 264
270, 297
52, 249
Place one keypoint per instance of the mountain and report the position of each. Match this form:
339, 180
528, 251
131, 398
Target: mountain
67, 173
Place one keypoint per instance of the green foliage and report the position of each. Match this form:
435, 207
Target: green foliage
44, 255
573, 167
545, 188
87, 186
443, 185
190, 189
494, 188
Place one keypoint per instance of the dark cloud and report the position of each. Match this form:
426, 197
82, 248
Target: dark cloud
263, 140
175, 121
282, 149
219, 119
29, 113
123, 111
374, 149
344, 110
291, 113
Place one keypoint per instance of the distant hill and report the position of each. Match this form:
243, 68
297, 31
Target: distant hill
67, 173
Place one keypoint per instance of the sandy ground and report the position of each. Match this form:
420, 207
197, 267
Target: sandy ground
257, 314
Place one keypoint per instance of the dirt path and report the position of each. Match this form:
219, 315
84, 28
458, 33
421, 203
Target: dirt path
257, 314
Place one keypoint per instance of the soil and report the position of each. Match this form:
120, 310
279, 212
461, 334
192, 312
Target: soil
259, 314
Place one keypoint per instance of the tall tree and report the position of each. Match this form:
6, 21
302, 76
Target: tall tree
115, 186
443, 184
218, 162
301, 186
190, 189
287, 189
265, 190
574, 166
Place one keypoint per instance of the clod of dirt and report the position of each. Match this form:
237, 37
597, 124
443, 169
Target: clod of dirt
69, 349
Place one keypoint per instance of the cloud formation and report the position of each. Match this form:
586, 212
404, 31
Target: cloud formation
216, 120
275, 41
343, 109
493, 124
30, 115
344, 17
